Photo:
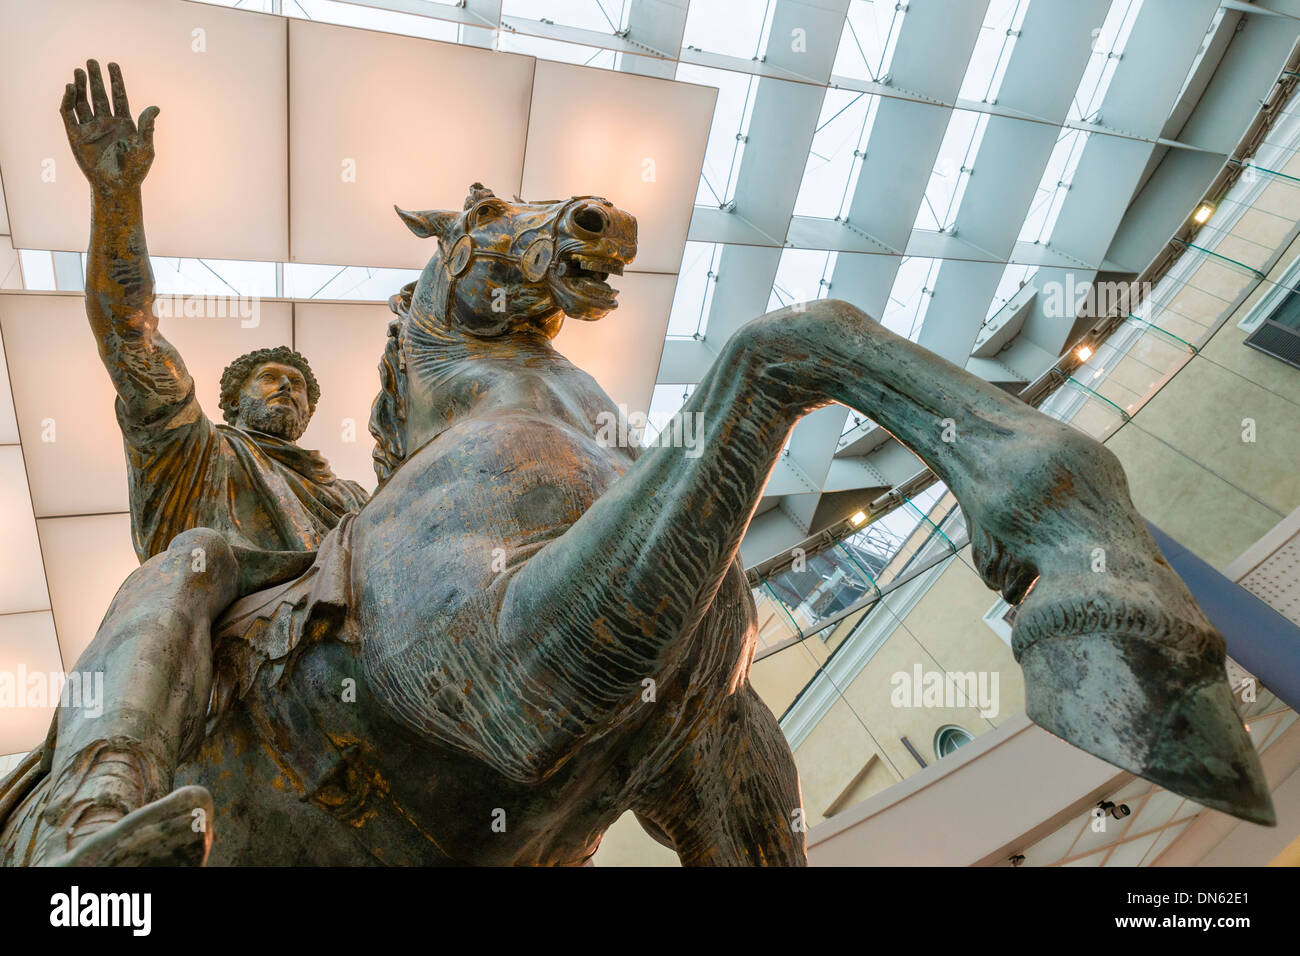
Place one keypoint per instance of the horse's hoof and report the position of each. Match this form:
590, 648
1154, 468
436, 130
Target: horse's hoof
175, 830
1147, 694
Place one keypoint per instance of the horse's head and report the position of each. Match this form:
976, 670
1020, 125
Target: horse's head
503, 266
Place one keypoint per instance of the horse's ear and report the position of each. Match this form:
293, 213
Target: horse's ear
428, 222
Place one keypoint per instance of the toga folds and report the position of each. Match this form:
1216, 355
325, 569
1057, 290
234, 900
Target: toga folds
186, 472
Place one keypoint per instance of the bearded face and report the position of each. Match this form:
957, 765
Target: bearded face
274, 401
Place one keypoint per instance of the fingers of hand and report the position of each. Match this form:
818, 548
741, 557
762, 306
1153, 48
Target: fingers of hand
146, 124
67, 109
120, 105
81, 105
98, 96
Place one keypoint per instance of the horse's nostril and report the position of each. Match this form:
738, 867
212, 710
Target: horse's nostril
590, 219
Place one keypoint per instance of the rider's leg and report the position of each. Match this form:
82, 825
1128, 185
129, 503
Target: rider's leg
154, 650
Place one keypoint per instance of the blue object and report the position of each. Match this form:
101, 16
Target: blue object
1258, 637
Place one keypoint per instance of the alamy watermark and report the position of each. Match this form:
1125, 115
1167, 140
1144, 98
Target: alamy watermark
950, 689
1071, 298
76, 690
247, 309
624, 429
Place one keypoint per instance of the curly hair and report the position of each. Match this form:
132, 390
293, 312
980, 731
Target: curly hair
237, 372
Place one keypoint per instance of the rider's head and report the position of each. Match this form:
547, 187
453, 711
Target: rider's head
271, 391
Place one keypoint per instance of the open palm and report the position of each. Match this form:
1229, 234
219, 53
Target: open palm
111, 149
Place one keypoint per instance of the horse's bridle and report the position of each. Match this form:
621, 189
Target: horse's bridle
533, 262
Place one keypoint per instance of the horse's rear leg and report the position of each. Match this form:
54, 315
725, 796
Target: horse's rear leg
731, 796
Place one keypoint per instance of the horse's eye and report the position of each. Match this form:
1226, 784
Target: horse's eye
485, 213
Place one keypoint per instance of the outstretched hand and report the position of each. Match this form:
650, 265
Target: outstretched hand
113, 152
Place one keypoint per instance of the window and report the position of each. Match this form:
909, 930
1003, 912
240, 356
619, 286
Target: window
1279, 334
949, 738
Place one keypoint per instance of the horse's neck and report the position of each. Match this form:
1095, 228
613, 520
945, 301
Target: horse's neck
462, 378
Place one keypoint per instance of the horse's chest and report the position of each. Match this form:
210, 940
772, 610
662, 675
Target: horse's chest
505, 483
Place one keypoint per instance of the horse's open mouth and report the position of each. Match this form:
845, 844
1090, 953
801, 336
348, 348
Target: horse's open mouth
586, 274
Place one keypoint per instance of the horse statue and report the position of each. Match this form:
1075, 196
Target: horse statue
530, 630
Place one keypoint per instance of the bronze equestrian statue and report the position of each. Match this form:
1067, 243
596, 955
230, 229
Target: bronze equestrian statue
527, 632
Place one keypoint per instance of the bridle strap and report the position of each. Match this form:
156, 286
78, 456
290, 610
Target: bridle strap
518, 259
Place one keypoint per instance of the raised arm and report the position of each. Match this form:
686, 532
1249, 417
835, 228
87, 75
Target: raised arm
115, 155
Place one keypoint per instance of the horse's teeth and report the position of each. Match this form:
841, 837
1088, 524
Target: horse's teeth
605, 266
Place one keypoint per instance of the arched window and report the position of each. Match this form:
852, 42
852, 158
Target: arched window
949, 738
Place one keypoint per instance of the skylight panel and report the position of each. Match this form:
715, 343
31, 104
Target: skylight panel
371, 18
666, 402
362, 283
909, 299
838, 149
214, 277
801, 276
38, 269
603, 16
1050, 195
853, 420
988, 62
726, 145
1200, 54
736, 28
258, 6
696, 280
952, 169
1014, 276
1108, 42
562, 52
870, 35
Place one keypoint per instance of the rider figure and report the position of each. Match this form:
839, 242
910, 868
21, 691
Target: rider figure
217, 510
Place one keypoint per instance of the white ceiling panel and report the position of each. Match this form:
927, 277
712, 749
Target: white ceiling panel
343, 344
22, 580
11, 273
636, 140
218, 185
28, 650
8, 421
622, 351
87, 559
64, 399
378, 120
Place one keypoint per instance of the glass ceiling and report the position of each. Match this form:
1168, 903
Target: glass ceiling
988, 62
867, 43
838, 148
736, 28
729, 45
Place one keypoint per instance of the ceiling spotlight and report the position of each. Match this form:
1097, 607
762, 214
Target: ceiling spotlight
1119, 812
1203, 213
1084, 352
857, 518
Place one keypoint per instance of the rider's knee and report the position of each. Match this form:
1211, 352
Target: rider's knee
204, 552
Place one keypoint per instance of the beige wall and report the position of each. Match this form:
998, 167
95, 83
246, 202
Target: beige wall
944, 631
1189, 470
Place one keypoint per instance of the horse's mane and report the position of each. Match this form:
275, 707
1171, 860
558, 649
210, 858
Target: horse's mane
388, 412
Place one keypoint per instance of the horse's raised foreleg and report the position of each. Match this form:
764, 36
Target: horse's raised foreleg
1120, 662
